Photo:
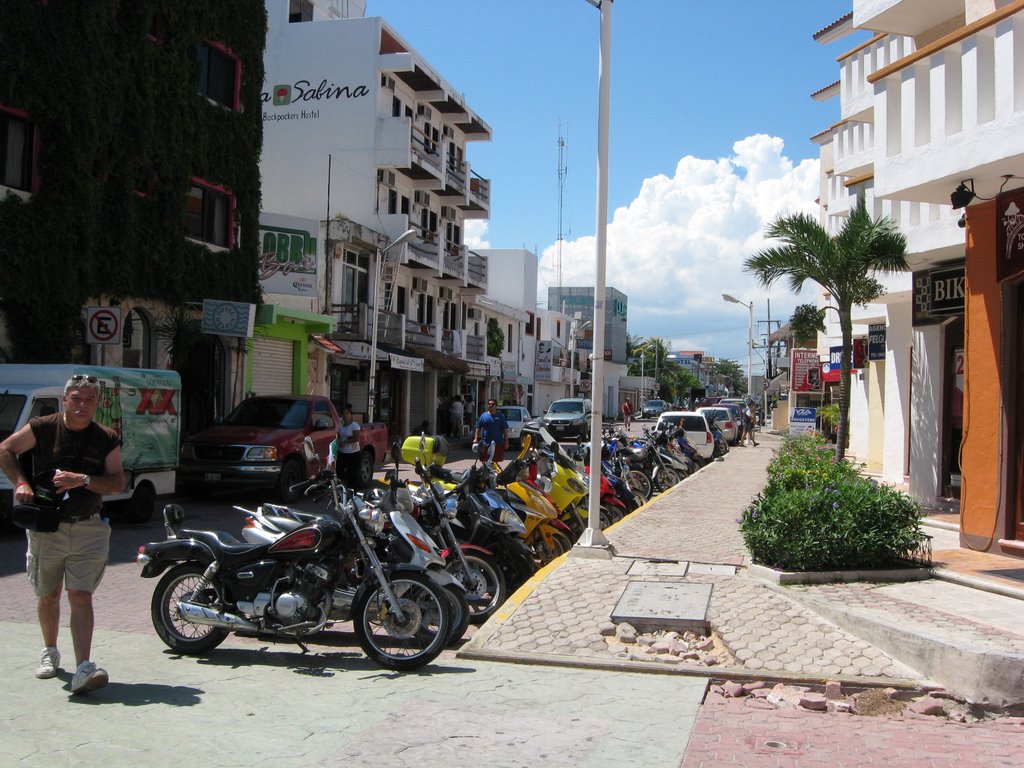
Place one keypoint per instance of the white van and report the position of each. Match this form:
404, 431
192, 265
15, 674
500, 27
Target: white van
140, 405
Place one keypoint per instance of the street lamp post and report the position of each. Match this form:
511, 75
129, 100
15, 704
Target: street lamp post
378, 273
750, 340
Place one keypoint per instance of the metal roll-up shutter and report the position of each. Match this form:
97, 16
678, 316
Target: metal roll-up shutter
272, 366
418, 410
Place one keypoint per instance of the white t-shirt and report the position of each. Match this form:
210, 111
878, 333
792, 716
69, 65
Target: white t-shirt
345, 432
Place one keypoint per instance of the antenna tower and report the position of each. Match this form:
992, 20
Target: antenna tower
561, 187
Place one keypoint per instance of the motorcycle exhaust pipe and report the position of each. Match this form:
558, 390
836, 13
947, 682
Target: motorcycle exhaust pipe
201, 614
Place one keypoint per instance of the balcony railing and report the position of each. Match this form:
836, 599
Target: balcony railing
424, 249
351, 320
476, 348
479, 192
476, 275
856, 93
853, 146
420, 334
426, 151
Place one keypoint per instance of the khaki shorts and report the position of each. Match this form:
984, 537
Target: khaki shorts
75, 553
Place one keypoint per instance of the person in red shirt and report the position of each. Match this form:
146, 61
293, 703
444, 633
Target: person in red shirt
627, 413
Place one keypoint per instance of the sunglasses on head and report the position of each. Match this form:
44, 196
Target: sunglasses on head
83, 377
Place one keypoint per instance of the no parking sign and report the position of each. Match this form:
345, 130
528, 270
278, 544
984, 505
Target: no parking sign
103, 325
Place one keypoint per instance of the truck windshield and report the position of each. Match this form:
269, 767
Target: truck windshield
11, 407
270, 412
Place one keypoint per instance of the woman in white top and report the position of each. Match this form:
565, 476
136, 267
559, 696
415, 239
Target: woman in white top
349, 449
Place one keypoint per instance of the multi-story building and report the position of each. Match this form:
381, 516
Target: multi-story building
930, 132
366, 140
578, 303
129, 183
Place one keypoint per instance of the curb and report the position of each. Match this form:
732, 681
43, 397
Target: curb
783, 578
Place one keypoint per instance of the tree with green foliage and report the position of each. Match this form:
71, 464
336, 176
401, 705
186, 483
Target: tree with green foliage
845, 265
730, 369
805, 324
495, 338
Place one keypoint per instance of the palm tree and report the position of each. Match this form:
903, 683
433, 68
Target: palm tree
844, 265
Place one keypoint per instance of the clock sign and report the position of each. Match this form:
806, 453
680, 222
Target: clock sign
227, 318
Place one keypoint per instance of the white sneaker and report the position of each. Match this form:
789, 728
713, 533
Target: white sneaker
49, 661
88, 677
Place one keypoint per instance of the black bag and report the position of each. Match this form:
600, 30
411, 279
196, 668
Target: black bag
33, 517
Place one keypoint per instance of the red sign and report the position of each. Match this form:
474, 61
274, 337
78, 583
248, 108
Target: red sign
103, 325
805, 371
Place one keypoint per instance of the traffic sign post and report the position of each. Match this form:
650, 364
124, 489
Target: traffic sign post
103, 325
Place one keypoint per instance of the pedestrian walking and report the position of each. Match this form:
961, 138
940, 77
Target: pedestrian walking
77, 460
456, 416
491, 429
627, 413
749, 422
349, 450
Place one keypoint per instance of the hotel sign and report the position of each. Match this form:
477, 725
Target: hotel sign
938, 293
1010, 234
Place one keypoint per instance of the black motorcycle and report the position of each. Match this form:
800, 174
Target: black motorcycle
322, 572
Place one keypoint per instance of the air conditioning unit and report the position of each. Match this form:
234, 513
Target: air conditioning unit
419, 284
386, 177
421, 198
445, 294
448, 212
475, 313
426, 112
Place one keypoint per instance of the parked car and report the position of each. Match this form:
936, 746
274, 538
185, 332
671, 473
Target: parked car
695, 425
737, 416
568, 418
260, 444
724, 418
652, 409
515, 416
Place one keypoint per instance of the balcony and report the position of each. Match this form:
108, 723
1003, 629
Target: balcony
478, 201
953, 110
905, 17
423, 250
476, 274
454, 177
476, 348
856, 93
853, 147
352, 321
420, 334
454, 264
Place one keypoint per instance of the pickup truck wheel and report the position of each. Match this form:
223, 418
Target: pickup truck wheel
139, 508
365, 469
291, 474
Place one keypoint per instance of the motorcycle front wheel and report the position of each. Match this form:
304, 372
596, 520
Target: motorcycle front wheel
485, 583
667, 478
639, 484
178, 634
460, 611
410, 642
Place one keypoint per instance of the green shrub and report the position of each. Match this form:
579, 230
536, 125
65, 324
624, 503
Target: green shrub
816, 514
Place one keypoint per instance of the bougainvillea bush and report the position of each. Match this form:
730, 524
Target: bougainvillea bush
817, 514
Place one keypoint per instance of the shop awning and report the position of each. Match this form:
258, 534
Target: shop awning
326, 344
441, 361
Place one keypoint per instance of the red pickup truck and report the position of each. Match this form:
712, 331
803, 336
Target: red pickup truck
260, 444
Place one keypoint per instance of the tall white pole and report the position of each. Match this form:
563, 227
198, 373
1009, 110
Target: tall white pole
593, 536
750, 354
377, 298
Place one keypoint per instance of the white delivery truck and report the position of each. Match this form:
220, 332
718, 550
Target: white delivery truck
141, 405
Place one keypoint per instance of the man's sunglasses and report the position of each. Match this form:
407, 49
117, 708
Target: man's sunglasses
83, 377
492, 405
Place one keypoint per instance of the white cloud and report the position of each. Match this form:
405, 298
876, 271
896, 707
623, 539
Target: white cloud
475, 235
682, 242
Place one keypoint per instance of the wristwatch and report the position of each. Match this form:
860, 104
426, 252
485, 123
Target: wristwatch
86, 481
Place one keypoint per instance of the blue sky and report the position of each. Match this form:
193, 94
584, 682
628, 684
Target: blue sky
711, 119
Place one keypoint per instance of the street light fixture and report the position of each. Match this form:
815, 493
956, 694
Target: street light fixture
404, 237
750, 340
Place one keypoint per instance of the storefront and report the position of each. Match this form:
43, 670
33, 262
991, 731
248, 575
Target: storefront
280, 347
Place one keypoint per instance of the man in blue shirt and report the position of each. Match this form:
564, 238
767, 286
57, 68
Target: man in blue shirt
491, 429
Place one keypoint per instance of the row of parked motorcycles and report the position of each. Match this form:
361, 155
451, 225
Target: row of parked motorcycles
410, 564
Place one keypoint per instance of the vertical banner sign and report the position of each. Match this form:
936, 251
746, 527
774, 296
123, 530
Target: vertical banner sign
876, 342
1010, 234
542, 364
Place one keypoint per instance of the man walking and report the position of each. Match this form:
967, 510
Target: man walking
748, 425
627, 413
491, 429
81, 460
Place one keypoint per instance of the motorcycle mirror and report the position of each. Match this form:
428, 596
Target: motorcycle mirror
396, 453
309, 450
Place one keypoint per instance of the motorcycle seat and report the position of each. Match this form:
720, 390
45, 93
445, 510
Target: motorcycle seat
221, 541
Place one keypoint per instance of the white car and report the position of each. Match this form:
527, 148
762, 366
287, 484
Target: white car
696, 428
515, 416
724, 417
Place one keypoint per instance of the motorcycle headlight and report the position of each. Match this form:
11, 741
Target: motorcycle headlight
451, 507
373, 518
576, 485
509, 517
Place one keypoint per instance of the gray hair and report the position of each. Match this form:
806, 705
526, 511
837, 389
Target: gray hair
82, 381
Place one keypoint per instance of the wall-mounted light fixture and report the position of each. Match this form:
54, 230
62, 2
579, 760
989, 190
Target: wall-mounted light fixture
962, 195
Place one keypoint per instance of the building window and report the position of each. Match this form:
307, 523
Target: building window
529, 324
209, 212
300, 10
219, 75
17, 150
